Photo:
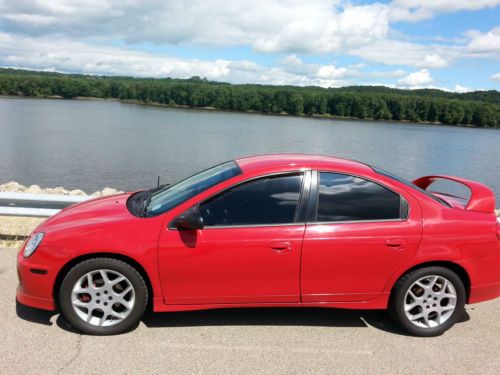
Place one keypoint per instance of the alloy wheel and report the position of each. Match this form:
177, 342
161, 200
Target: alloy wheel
103, 297
430, 301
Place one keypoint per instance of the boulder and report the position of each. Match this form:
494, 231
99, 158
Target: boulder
35, 189
77, 192
109, 191
57, 190
13, 187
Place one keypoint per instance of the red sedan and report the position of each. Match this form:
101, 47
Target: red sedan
275, 230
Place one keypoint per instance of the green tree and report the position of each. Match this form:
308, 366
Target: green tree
296, 106
381, 103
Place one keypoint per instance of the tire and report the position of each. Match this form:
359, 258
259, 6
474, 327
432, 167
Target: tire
103, 296
422, 301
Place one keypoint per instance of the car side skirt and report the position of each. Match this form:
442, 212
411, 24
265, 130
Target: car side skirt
484, 293
378, 303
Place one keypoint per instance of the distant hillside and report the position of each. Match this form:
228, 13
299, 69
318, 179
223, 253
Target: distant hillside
478, 108
490, 96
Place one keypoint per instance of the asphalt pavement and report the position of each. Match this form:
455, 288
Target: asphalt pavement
243, 341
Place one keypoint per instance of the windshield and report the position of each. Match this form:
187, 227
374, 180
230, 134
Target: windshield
408, 183
170, 196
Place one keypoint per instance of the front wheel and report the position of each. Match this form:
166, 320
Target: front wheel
428, 301
103, 296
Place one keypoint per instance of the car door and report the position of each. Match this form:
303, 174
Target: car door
247, 252
357, 235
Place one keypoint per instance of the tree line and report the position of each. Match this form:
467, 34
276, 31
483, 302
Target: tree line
479, 108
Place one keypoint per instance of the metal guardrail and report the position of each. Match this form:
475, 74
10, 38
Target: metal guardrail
36, 205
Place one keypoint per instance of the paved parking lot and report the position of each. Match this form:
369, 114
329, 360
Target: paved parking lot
276, 341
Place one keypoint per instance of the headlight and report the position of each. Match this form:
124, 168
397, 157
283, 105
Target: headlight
33, 243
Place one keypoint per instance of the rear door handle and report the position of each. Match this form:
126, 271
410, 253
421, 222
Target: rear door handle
281, 246
396, 244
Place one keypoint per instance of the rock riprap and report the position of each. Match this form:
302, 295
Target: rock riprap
15, 187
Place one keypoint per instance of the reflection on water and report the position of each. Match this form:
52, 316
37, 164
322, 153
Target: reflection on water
92, 144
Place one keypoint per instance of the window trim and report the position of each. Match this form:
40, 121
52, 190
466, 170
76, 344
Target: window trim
253, 225
299, 217
314, 203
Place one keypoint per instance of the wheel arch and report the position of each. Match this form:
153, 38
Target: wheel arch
124, 258
455, 267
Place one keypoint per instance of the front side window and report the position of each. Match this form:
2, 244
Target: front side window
165, 199
349, 198
268, 200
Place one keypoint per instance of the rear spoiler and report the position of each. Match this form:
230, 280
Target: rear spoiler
481, 197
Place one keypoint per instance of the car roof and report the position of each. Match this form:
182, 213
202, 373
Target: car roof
279, 162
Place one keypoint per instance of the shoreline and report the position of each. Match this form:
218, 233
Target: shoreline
249, 112
15, 187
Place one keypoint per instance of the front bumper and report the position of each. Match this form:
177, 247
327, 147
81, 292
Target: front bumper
36, 281
39, 303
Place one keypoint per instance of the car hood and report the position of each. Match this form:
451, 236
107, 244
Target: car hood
96, 211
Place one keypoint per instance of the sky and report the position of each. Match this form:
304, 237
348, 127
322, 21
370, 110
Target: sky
452, 45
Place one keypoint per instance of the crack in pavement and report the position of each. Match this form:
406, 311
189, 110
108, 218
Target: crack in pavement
73, 359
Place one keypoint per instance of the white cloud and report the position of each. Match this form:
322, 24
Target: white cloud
331, 72
323, 73
462, 89
395, 52
65, 55
487, 43
416, 10
270, 26
417, 79
327, 30
495, 77
388, 74
292, 60
266, 24
291, 27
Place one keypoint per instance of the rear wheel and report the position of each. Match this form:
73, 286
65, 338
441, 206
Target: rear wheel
428, 301
103, 296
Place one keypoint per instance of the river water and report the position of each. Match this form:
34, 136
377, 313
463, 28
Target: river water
92, 144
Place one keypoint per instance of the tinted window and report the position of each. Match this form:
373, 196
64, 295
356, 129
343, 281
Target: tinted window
408, 183
271, 200
168, 197
346, 198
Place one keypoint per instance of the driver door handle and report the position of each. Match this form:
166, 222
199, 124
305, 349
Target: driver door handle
281, 246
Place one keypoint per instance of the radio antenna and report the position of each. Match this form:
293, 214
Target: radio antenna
158, 182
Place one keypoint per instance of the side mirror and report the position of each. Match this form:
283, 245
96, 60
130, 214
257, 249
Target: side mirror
189, 220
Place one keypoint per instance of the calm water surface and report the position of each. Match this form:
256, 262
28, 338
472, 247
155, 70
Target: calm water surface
93, 144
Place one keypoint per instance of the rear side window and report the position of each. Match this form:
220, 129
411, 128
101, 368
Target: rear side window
408, 183
269, 200
349, 198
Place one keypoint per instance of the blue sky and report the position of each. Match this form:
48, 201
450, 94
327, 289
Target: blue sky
449, 44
